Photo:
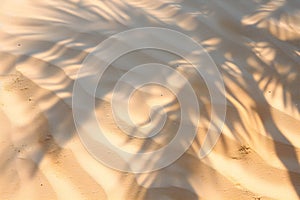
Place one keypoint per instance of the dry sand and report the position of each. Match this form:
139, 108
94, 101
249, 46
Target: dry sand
256, 46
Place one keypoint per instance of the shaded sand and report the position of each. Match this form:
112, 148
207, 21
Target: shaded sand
255, 44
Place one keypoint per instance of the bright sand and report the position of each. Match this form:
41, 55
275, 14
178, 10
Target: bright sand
254, 43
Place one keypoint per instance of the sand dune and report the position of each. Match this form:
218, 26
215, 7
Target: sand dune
255, 45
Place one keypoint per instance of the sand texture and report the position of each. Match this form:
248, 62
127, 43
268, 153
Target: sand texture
256, 47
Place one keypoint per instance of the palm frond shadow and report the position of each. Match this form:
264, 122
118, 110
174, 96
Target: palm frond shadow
265, 60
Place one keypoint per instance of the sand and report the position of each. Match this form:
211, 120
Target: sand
255, 45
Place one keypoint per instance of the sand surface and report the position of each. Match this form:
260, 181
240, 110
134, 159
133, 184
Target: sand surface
255, 45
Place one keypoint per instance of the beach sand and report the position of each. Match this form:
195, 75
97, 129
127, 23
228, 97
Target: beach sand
256, 47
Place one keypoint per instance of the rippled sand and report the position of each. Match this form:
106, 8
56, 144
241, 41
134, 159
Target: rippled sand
256, 46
